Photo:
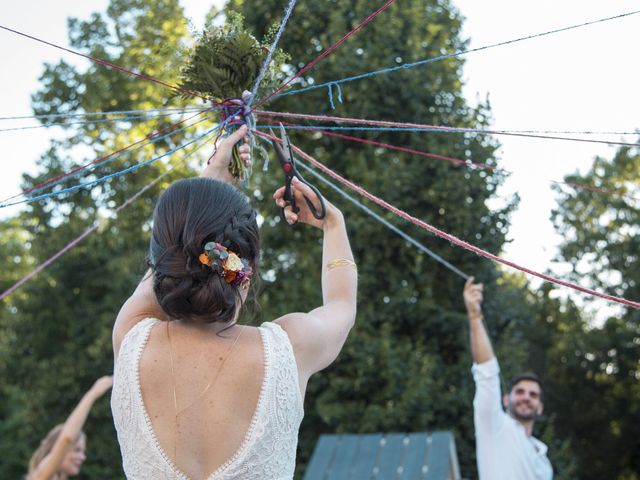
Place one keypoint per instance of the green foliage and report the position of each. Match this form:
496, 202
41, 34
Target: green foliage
406, 364
594, 381
225, 61
602, 231
55, 331
596, 371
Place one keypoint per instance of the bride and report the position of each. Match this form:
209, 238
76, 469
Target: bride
197, 395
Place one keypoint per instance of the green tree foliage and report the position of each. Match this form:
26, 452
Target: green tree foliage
223, 64
17, 261
596, 371
226, 60
56, 330
602, 231
397, 370
406, 364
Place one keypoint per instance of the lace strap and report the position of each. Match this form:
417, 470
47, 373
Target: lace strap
136, 337
278, 333
283, 357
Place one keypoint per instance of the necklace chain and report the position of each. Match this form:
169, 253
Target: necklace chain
201, 394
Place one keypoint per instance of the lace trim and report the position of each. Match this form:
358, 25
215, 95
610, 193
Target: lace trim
266, 348
296, 373
138, 392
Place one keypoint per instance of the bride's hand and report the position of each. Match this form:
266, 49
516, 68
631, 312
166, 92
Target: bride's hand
299, 191
218, 164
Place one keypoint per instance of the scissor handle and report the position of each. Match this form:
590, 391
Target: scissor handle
288, 165
291, 201
318, 215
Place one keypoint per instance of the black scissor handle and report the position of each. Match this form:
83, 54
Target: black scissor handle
289, 199
318, 214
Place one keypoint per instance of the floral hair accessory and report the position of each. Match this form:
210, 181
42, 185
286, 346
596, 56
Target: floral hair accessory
227, 264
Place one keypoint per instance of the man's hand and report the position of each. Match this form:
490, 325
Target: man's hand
218, 165
481, 349
473, 298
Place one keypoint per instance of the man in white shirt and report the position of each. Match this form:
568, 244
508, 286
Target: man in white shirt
505, 446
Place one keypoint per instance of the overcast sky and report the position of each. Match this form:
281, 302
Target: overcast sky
579, 80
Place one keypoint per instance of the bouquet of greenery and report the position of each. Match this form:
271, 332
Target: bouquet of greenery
223, 65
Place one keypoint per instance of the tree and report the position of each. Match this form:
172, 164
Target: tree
602, 230
597, 367
406, 364
56, 330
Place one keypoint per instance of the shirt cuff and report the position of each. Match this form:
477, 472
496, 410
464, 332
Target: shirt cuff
485, 370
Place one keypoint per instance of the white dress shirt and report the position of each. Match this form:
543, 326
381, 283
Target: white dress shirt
504, 450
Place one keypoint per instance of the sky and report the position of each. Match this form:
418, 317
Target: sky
585, 79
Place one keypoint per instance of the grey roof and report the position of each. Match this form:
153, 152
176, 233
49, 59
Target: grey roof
385, 456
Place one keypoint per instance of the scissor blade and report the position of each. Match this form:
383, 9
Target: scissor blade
279, 150
286, 144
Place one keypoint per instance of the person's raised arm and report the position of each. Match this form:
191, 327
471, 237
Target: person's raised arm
488, 416
481, 348
50, 464
143, 303
319, 335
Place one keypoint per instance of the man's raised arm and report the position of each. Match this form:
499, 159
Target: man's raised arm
481, 348
488, 415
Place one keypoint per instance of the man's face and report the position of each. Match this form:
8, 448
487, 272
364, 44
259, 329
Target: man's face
524, 402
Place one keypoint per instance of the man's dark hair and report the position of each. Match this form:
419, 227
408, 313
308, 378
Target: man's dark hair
526, 376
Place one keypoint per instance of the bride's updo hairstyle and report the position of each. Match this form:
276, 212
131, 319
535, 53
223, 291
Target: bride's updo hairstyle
189, 214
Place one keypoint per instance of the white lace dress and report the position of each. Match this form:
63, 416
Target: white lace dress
268, 451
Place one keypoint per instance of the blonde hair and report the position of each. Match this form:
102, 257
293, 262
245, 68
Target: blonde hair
46, 445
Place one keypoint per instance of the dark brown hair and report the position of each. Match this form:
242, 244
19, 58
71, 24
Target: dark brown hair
190, 213
526, 376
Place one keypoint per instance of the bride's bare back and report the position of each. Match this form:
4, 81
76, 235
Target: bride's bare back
210, 426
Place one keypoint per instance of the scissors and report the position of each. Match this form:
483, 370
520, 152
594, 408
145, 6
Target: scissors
288, 165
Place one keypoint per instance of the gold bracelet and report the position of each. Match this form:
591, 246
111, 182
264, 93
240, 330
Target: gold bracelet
341, 262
